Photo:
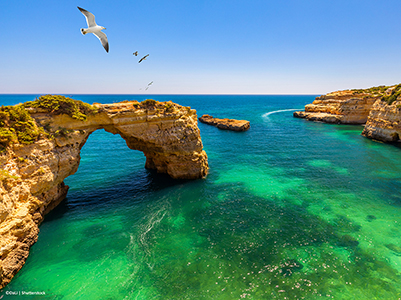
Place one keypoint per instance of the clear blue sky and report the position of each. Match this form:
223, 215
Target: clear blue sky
200, 47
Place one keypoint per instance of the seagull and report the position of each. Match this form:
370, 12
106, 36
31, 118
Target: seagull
94, 28
135, 53
143, 58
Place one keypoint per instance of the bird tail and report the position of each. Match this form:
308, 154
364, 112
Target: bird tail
83, 31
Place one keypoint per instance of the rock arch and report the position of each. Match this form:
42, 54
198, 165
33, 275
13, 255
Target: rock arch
33, 179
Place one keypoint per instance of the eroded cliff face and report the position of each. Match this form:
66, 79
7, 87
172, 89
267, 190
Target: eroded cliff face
384, 122
32, 176
379, 108
341, 107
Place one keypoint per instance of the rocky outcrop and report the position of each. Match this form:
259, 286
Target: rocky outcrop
227, 124
32, 174
379, 108
341, 107
384, 122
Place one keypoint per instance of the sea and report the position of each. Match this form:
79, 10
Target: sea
290, 209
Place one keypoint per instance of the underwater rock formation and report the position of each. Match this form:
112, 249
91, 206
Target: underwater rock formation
227, 124
379, 108
40, 145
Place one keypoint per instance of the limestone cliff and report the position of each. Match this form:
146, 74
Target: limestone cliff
344, 107
34, 163
384, 122
227, 124
379, 108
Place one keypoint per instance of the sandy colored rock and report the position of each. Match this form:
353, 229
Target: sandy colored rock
384, 122
341, 107
227, 124
32, 176
379, 108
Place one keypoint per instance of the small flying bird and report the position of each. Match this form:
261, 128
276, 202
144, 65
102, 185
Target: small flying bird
135, 53
94, 28
143, 58
150, 83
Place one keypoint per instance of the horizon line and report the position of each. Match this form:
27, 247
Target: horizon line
206, 94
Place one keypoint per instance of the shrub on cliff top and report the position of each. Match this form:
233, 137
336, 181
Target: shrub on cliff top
393, 96
373, 90
149, 102
63, 105
17, 125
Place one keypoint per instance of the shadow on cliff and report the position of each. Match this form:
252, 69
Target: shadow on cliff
140, 182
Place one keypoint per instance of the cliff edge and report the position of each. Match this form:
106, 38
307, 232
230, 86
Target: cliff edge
379, 108
40, 143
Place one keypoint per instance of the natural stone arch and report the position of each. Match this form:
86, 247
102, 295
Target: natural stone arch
165, 132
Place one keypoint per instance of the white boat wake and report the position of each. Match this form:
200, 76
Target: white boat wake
278, 111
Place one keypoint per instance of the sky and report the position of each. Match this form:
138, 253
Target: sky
200, 46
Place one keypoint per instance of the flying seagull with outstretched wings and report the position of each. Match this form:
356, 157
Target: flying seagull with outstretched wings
94, 28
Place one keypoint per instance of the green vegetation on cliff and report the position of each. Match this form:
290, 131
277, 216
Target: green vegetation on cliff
393, 96
149, 102
63, 105
381, 89
17, 125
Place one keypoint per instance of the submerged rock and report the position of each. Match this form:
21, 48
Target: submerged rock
370, 218
227, 124
347, 241
396, 249
290, 267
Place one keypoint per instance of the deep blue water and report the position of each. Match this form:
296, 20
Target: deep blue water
291, 209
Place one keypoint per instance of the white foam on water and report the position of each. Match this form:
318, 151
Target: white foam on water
265, 115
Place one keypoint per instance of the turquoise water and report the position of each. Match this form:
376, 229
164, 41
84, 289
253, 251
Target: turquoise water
290, 210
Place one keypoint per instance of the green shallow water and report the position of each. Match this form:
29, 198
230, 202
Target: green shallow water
290, 210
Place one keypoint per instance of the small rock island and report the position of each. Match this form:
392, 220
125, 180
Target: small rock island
377, 108
226, 124
40, 145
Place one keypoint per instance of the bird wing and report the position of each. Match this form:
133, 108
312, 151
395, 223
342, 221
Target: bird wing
90, 18
103, 38
143, 58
